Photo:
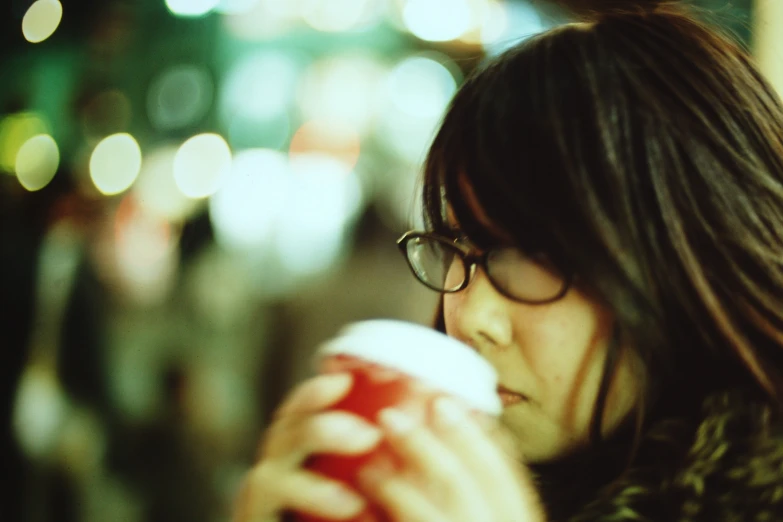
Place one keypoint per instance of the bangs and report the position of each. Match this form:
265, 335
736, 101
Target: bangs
520, 182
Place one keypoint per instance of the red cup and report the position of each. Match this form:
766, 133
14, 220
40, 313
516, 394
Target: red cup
406, 366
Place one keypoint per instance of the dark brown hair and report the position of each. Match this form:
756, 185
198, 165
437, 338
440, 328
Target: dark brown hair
642, 150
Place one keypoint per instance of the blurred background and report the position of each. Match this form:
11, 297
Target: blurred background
193, 195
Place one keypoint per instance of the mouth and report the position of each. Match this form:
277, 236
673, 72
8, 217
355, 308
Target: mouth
509, 397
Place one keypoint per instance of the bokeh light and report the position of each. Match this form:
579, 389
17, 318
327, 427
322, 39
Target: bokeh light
418, 90
339, 15
256, 98
341, 194
261, 85
510, 24
191, 8
297, 207
338, 142
37, 162
15, 130
489, 22
180, 97
437, 20
343, 89
41, 20
115, 163
201, 164
245, 132
244, 212
156, 189
267, 19
146, 250
236, 7
421, 85
40, 411
311, 232
494, 22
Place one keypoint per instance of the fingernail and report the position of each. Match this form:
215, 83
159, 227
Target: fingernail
371, 474
448, 412
396, 421
353, 434
366, 436
337, 378
349, 502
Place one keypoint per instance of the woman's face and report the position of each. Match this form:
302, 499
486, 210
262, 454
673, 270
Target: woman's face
552, 354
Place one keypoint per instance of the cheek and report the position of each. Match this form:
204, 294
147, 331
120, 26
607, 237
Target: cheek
450, 307
556, 342
566, 351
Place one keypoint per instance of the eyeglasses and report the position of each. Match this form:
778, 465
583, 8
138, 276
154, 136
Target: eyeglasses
442, 264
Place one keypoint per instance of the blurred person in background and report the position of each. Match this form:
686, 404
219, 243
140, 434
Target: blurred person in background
605, 201
20, 236
51, 354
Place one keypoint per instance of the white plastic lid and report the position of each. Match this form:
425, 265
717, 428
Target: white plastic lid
423, 353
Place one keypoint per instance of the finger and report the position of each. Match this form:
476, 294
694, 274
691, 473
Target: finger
294, 438
485, 456
316, 394
313, 395
267, 493
442, 470
501, 436
402, 500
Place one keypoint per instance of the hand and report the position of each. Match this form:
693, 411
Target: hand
459, 471
302, 427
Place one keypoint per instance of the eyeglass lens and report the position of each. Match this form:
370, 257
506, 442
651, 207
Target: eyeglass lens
437, 264
440, 265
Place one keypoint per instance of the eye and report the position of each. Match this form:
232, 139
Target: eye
542, 259
532, 277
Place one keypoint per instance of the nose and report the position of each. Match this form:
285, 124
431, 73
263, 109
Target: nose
480, 315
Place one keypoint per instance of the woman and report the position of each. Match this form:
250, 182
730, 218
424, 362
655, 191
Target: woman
607, 199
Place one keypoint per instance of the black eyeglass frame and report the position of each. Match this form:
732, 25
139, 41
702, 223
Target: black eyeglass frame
470, 261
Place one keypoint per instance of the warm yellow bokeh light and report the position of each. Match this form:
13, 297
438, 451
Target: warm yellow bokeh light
115, 163
156, 189
340, 143
335, 15
41, 20
489, 22
37, 162
201, 164
266, 19
15, 130
344, 89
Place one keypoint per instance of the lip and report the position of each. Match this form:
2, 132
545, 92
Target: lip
510, 397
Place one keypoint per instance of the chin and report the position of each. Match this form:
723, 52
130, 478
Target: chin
539, 442
541, 453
